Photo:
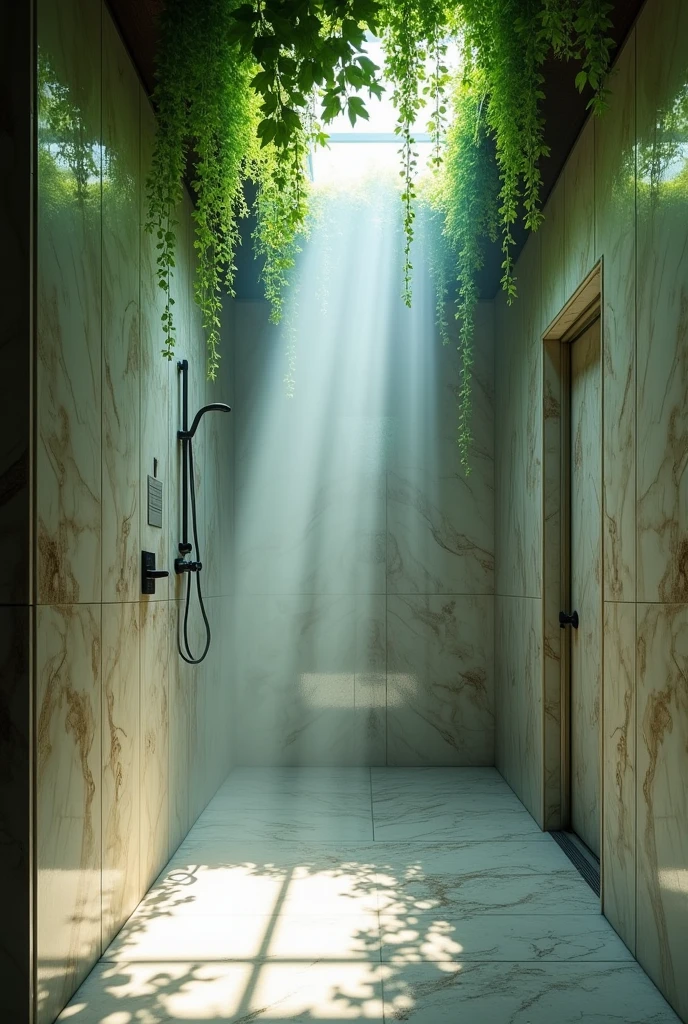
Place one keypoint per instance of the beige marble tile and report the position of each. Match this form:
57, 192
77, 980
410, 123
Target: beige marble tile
459, 937
164, 993
219, 473
196, 351
440, 686
319, 459
154, 738
579, 208
156, 375
218, 488
200, 713
121, 784
121, 549
199, 710
662, 350
523, 993
440, 526
219, 685
302, 662
460, 811
439, 539
16, 968
186, 348
183, 681
662, 850
618, 770
518, 430
68, 801
518, 698
329, 536
211, 743
552, 447
247, 877
552, 239
370, 681
615, 243
274, 806
251, 937
68, 369
585, 643
227, 452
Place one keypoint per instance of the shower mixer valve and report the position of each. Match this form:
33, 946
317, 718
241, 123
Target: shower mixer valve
182, 565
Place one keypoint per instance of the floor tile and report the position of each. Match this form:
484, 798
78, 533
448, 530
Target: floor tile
283, 936
284, 823
289, 804
195, 993
451, 935
500, 878
520, 993
280, 904
447, 804
255, 878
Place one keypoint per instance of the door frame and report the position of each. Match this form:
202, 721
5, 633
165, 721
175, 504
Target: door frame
581, 309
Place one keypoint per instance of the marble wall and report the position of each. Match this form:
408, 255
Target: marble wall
16, 616
128, 747
365, 558
622, 198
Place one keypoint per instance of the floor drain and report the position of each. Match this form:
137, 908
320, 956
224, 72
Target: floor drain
581, 858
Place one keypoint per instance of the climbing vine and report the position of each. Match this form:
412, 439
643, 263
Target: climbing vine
245, 92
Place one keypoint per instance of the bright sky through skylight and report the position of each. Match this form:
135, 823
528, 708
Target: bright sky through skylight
346, 162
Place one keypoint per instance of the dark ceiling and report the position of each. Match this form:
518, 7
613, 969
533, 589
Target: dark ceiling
563, 108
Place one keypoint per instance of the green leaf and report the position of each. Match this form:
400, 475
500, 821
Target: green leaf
356, 109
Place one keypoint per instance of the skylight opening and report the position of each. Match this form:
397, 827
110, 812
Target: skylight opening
370, 149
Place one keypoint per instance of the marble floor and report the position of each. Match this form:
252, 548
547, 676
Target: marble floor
384, 894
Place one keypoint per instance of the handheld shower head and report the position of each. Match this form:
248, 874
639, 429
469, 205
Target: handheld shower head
186, 435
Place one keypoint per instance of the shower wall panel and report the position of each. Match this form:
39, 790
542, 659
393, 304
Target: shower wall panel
621, 198
131, 744
16, 616
365, 553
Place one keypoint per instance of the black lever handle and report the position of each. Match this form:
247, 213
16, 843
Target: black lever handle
568, 620
149, 574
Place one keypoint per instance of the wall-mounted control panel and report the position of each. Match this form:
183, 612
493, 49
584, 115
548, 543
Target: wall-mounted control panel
154, 501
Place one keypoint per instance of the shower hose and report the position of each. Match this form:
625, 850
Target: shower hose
183, 645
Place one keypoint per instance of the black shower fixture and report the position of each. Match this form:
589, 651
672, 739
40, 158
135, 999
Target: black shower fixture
182, 564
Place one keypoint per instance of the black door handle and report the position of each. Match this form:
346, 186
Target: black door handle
568, 620
149, 574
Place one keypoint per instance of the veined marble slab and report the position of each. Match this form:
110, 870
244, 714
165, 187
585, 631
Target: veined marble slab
440, 680
522, 993
164, 993
252, 877
491, 877
454, 936
448, 805
309, 668
290, 821
250, 937
281, 782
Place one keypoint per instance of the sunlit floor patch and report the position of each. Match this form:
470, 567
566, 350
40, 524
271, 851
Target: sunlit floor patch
465, 931
194, 993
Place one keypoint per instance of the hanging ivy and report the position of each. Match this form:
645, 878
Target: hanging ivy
246, 90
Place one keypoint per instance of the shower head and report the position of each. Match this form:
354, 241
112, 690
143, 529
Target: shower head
186, 435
